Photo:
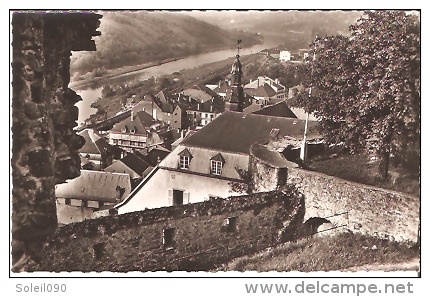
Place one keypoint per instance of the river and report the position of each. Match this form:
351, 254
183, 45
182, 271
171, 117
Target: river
91, 95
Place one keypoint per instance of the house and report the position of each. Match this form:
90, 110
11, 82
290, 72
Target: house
205, 164
200, 114
274, 53
79, 198
130, 164
96, 152
136, 132
154, 155
262, 94
199, 93
279, 109
285, 56
279, 89
222, 87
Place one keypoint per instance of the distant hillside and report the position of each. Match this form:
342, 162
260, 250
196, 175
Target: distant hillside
284, 26
132, 38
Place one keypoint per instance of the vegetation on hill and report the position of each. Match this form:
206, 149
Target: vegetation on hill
329, 253
292, 29
134, 38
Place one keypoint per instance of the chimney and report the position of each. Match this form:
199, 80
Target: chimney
250, 80
210, 108
198, 106
132, 114
277, 81
143, 108
154, 113
219, 84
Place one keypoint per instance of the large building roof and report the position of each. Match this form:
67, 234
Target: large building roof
280, 109
95, 185
263, 90
236, 132
140, 124
199, 92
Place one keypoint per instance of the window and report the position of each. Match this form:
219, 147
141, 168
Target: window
229, 225
184, 162
216, 167
184, 159
168, 237
67, 201
217, 162
178, 197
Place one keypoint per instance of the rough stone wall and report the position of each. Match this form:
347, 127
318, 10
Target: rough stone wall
371, 210
265, 177
44, 145
134, 241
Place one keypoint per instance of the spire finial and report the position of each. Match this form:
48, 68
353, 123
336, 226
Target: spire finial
238, 46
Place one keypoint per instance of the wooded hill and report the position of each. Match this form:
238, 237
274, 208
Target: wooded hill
133, 38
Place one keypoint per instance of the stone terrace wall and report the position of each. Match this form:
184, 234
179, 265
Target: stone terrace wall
371, 210
134, 241
44, 145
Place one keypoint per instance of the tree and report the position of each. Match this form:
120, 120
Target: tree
366, 86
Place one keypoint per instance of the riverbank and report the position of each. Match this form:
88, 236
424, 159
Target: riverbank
175, 82
95, 82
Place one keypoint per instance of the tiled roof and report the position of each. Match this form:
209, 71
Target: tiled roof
95, 185
155, 155
236, 132
200, 92
135, 163
262, 91
217, 106
140, 123
277, 110
94, 144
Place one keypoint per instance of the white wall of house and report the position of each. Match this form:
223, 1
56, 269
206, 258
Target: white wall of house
67, 214
157, 190
285, 56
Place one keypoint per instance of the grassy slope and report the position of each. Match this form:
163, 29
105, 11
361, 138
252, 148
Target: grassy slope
133, 38
342, 251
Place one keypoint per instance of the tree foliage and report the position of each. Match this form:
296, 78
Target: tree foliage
366, 86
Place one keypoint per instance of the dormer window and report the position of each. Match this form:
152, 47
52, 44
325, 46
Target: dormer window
217, 162
185, 159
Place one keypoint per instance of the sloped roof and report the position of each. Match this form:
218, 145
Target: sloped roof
262, 91
155, 154
94, 185
140, 123
217, 106
200, 92
222, 88
163, 96
277, 110
271, 157
89, 146
135, 163
94, 144
236, 132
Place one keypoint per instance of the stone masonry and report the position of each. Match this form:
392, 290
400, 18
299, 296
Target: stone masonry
44, 145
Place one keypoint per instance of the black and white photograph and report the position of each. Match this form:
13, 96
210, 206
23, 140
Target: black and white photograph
215, 143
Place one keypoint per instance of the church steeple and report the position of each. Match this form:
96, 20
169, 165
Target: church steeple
236, 98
